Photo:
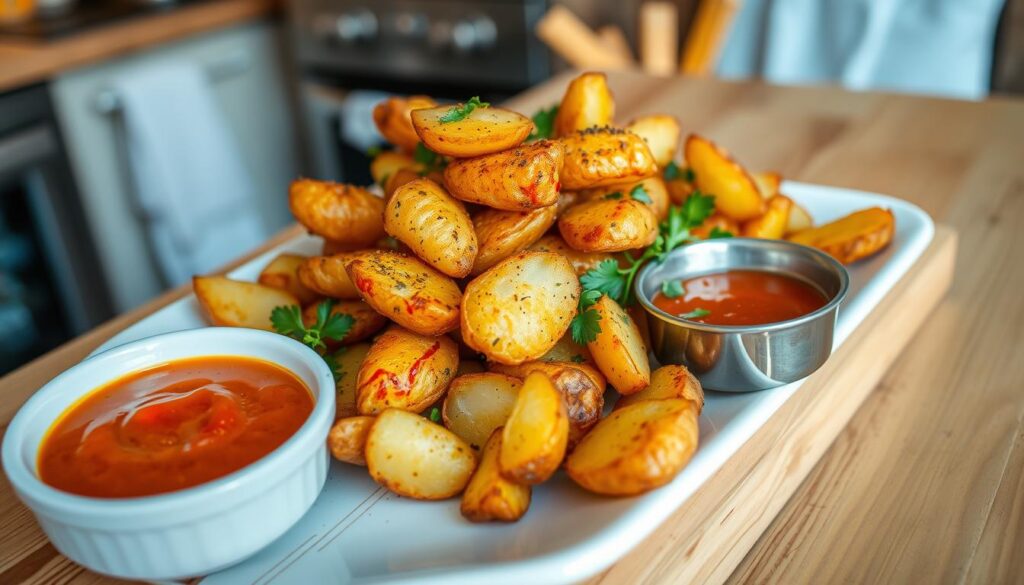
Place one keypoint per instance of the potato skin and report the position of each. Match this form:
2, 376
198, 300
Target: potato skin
850, 238
587, 102
407, 291
661, 132
347, 439
282, 273
669, 382
326, 275
604, 156
653, 187
483, 131
344, 214
619, 349
608, 225
534, 439
503, 233
234, 303
518, 309
476, 404
771, 225
367, 321
434, 225
489, 496
581, 261
518, 179
386, 164
349, 360
405, 370
736, 193
393, 119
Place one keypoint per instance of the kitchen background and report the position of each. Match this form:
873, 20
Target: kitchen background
143, 141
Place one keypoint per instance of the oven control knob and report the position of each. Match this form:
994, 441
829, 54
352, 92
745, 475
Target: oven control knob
476, 33
355, 26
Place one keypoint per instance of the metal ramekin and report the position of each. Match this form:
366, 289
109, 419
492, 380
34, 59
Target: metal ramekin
748, 357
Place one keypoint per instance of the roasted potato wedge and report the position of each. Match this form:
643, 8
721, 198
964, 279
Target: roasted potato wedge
518, 309
668, 382
535, 436
344, 214
347, 439
405, 370
679, 189
349, 360
853, 237
396, 180
235, 303
326, 275
415, 458
650, 191
636, 448
566, 199
717, 220
489, 496
503, 233
434, 225
366, 321
392, 117
604, 156
799, 219
771, 225
518, 179
661, 132
768, 183
567, 350
386, 164
476, 404
619, 349
587, 103
736, 193
608, 225
483, 131
283, 273
407, 291
581, 261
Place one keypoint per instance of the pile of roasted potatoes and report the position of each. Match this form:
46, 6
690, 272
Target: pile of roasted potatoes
458, 375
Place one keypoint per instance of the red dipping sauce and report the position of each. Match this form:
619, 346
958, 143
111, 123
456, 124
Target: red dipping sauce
742, 297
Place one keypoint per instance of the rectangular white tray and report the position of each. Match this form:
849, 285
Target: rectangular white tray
357, 532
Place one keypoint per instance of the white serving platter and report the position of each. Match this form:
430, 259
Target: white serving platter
357, 532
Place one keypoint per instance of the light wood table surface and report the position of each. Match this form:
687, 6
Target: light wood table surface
926, 482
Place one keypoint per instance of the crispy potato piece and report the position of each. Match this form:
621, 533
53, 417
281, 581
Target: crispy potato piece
483, 131
587, 102
661, 132
567, 350
566, 199
503, 233
476, 404
771, 225
650, 191
469, 366
619, 350
639, 316
393, 120
719, 221
679, 190
326, 275
435, 226
736, 194
850, 238
398, 179
608, 225
282, 273
347, 439
636, 448
668, 382
407, 291
536, 434
235, 303
518, 179
405, 370
768, 183
345, 214
604, 156
799, 219
349, 360
519, 308
387, 163
581, 261
489, 496
415, 458
367, 321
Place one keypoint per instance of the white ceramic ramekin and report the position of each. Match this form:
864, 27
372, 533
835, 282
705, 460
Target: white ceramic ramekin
197, 530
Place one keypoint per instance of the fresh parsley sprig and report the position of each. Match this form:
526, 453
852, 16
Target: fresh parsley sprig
462, 111
429, 160
544, 123
287, 320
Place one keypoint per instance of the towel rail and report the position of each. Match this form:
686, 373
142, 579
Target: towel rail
108, 101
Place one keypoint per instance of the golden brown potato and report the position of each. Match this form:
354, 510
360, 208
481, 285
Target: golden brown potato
799, 219
608, 225
717, 220
415, 458
736, 194
386, 164
587, 102
669, 382
347, 439
396, 180
518, 179
489, 496
282, 273
619, 350
852, 237
636, 448
503, 233
650, 191
661, 132
518, 309
407, 291
476, 404
679, 189
604, 156
771, 225
235, 303
392, 117
404, 370
326, 275
483, 131
581, 261
566, 199
366, 321
535, 436
345, 214
349, 359
768, 183
435, 226
567, 350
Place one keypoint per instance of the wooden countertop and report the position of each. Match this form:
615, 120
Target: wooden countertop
926, 483
24, 63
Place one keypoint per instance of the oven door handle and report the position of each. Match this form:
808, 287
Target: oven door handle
26, 147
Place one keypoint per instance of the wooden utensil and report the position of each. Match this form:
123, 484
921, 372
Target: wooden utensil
711, 26
575, 42
659, 37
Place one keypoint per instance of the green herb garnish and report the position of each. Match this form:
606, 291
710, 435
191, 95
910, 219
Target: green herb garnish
460, 112
671, 171
435, 415
585, 325
696, 314
640, 194
287, 320
430, 160
717, 232
578, 359
614, 195
672, 289
544, 123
